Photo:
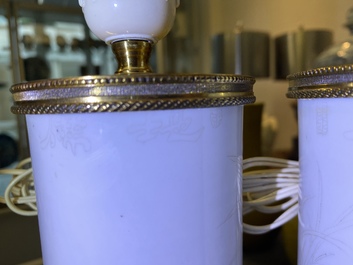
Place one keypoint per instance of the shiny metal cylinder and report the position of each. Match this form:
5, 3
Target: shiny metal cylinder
297, 51
243, 52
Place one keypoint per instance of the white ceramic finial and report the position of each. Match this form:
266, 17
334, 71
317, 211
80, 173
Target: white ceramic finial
116, 20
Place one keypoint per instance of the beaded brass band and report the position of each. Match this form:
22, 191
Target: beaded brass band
327, 82
131, 93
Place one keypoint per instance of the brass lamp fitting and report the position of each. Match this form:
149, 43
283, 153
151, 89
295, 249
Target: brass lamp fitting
132, 56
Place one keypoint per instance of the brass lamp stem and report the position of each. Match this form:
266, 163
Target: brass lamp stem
132, 56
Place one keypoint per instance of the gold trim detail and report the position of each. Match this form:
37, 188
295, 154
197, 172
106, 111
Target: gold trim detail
131, 93
329, 70
321, 92
326, 82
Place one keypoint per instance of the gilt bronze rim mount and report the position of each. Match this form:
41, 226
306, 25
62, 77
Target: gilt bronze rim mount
131, 92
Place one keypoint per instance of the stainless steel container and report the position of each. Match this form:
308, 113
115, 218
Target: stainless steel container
296, 51
243, 52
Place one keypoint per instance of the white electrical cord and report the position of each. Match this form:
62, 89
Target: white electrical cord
19, 195
270, 185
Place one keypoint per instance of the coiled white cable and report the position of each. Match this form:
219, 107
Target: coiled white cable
270, 185
19, 195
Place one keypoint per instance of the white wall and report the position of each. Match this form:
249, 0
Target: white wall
278, 17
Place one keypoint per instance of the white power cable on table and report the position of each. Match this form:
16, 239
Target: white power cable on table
274, 188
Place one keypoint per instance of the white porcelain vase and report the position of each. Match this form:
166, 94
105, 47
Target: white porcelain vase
325, 150
136, 188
